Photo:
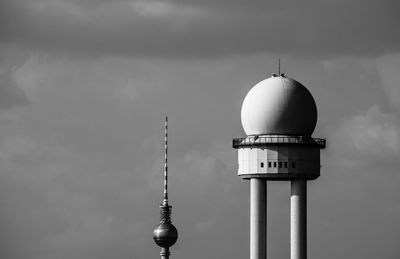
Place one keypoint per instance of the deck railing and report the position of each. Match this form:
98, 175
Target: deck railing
262, 140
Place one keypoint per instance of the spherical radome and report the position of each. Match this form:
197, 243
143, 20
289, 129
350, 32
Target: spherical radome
279, 106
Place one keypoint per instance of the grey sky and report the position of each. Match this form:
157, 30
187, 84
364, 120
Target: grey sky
203, 28
84, 87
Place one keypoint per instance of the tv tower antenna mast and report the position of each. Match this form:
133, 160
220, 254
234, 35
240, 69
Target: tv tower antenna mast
165, 234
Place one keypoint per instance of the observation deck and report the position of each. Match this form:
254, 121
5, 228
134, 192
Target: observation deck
263, 140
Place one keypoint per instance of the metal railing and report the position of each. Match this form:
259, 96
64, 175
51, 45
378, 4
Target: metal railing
263, 140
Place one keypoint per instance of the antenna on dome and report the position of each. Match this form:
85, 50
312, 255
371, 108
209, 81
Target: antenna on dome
279, 69
279, 66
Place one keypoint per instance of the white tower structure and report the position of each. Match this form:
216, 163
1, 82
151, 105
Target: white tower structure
278, 115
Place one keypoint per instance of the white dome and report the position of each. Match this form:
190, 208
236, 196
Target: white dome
279, 106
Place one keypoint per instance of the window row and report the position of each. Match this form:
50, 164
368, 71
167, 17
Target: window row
279, 164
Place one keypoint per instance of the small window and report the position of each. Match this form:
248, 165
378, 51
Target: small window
262, 164
269, 164
285, 164
293, 164
280, 164
274, 164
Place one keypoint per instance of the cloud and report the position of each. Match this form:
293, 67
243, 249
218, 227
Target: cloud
56, 201
193, 175
196, 29
359, 171
16, 146
81, 147
160, 9
367, 136
10, 94
389, 67
81, 166
40, 75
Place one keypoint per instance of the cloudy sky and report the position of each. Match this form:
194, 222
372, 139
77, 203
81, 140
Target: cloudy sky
84, 88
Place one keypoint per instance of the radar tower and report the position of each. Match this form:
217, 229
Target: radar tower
279, 116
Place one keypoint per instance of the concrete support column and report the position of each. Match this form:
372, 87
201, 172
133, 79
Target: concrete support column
298, 219
258, 218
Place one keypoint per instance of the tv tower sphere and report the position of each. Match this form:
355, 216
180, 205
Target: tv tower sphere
165, 234
279, 105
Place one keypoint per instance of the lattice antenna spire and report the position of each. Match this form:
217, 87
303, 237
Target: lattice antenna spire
165, 200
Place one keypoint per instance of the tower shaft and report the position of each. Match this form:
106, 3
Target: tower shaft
258, 218
165, 253
298, 219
